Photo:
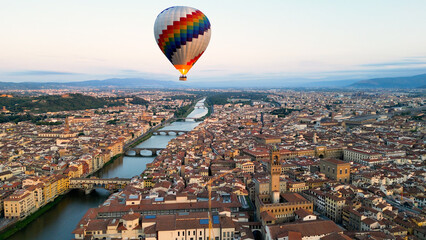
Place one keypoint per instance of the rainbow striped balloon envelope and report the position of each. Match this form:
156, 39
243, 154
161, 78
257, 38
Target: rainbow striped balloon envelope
182, 33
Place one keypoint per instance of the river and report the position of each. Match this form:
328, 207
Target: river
60, 221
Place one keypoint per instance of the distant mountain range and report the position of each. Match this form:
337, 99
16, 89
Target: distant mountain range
107, 83
418, 81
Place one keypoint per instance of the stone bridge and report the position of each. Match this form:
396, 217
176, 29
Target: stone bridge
88, 184
154, 152
167, 132
186, 119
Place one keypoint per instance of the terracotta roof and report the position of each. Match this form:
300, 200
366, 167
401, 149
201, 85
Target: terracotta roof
368, 221
311, 228
293, 197
130, 217
267, 216
302, 213
334, 161
291, 235
336, 236
97, 224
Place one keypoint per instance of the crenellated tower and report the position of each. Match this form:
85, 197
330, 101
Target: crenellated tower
275, 172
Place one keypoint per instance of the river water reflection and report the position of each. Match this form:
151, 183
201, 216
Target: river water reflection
60, 221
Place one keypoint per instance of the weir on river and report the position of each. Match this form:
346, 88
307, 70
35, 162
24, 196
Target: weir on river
60, 221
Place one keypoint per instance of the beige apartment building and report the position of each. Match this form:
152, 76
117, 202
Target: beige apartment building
19, 205
334, 207
357, 155
247, 167
297, 186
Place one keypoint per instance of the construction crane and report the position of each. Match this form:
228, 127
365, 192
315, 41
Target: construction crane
209, 188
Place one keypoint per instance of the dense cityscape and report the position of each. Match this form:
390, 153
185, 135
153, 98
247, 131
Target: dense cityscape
257, 164
213, 120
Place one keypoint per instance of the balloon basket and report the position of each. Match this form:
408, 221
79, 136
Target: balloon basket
182, 78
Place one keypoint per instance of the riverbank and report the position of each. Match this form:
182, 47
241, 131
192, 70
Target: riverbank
19, 225
9, 231
148, 135
139, 141
209, 111
59, 222
187, 109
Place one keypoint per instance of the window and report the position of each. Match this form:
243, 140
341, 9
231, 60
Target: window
346, 170
193, 233
340, 171
178, 233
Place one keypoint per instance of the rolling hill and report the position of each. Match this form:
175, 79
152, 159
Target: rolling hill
418, 81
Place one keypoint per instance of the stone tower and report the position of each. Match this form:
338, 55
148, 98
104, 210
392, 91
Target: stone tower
275, 172
67, 125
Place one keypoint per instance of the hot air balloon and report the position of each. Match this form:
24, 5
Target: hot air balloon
182, 33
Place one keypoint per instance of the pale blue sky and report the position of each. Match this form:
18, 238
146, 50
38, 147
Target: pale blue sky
58, 40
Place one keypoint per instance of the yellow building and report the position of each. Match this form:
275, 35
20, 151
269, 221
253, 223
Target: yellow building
247, 167
315, 183
283, 211
268, 139
147, 183
334, 207
336, 169
50, 189
19, 205
296, 186
47, 192
318, 151
37, 192
116, 147
63, 184
5, 175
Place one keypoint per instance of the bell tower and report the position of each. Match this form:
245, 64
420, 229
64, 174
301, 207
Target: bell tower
275, 172
67, 125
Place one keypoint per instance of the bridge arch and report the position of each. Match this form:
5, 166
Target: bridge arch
137, 152
167, 132
88, 184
